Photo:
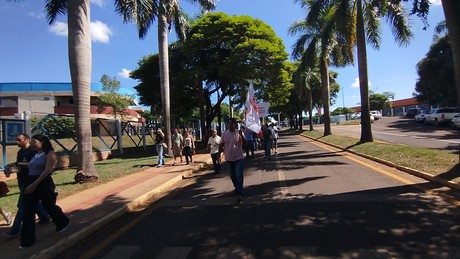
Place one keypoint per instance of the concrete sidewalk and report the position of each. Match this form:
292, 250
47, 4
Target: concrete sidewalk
92, 209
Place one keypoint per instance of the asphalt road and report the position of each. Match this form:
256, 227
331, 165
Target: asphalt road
309, 201
406, 131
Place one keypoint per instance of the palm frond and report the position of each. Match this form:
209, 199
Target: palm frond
142, 12
372, 24
397, 17
207, 5
54, 8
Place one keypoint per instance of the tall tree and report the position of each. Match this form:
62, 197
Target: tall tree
451, 13
436, 75
451, 10
79, 45
168, 13
228, 51
359, 21
319, 43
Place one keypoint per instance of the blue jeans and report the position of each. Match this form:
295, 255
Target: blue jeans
236, 174
268, 149
161, 160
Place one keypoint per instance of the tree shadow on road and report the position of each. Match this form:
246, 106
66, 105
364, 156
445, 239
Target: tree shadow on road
452, 174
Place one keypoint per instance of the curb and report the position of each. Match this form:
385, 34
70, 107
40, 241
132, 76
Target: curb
453, 185
151, 196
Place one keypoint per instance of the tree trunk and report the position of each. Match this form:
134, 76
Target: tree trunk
300, 120
201, 102
79, 44
366, 130
310, 107
451, 13
164, 77
324, 70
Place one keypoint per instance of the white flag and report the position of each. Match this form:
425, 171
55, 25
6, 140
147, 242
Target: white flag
252, 120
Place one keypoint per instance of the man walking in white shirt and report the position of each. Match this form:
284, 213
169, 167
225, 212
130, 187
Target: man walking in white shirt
213, 146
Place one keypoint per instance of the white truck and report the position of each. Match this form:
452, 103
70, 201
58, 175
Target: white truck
438, 116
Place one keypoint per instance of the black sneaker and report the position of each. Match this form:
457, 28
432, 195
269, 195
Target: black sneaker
44, 221
63, 228
239, 200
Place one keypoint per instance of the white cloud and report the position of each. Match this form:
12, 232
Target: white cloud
36, 15
100, 3
59, 28
100, 32
124, 73
356, 83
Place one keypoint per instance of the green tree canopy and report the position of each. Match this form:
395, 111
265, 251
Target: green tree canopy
111, 98
228, 51
380, 101
183, 96
436, 82
342, 110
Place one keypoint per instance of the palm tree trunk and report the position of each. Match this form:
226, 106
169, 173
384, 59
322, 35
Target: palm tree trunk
79, 44
451, 11
324, 70
366, 130
164, 77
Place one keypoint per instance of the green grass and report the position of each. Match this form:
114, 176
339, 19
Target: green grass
434, 162
64, 179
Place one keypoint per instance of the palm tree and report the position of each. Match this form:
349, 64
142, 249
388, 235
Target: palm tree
79, 44
451, 11
168, 12
358, 21
319, 40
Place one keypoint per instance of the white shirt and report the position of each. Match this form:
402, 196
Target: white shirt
214, 142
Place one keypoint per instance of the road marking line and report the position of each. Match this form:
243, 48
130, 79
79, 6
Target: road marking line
282, 179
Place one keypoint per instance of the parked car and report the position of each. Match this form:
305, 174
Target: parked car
377, 115
420, 116
355, 116
455, 122
438, 116
412, 112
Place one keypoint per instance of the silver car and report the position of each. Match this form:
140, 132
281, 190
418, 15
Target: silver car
420, 115
455, 122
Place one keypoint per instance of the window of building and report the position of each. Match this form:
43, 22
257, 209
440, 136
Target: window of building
46, 98
71, 101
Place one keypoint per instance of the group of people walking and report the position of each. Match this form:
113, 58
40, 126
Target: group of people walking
37, 195
182, 145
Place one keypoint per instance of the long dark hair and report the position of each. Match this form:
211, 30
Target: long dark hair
46, 143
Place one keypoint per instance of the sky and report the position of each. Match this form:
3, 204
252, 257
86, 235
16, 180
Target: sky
31, 50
